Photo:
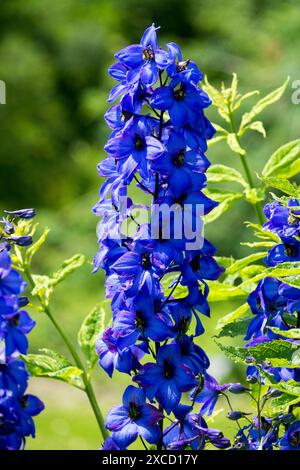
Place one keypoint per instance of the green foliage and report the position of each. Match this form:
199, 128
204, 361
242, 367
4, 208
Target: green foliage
55, 366
283, 185
44, 285
92, 326
223, 174
277, 353
285, 162
225, 199
234, 328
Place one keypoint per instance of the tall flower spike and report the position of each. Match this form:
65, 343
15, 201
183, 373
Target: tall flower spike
159, 136
17, 408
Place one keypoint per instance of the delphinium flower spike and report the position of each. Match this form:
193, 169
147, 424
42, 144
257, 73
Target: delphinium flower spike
17, 407
158, 142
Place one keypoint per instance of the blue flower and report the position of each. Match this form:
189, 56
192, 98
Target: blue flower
178, 66
167, 379
291, 438
283, 220
135, 417
133, 146
182, 99
288, 251
22, 213
110, 358
141, 322
180, 167
210, 394
145, 59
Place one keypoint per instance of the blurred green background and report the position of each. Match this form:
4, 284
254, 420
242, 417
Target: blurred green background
54, 56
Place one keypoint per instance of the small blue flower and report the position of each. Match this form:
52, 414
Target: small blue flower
167, 379
291, 438
135, 417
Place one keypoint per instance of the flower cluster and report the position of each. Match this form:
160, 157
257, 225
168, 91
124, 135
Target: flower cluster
275, 306
156, 281
16, 407
275, 303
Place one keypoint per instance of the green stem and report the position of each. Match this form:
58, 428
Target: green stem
88, 386
257, 205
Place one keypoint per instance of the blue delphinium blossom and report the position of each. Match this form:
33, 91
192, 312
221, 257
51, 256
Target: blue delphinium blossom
17, 408
158, 141
291, 438
135, 417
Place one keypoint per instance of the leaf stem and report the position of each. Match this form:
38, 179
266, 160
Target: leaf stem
88, 386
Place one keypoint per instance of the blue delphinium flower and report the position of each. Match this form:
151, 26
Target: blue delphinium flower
135, 417
158, 141
291, 438
17, 408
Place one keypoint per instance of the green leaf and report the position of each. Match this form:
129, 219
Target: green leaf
44, 287
215, 140
232, 316
294, 333
283, 185
281, 404
68, 267
37, 245
233, 143
285, 162
260, 232
257, 126
264, 103
218, 99
93, 325
241, 263
224, 174
254, 195
278, 353
235, 328
225, 198
55, 366
219, 292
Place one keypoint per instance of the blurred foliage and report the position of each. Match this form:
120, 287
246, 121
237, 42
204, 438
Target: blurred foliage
54, 56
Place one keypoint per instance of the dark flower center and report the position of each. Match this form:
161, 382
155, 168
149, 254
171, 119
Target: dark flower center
295, 439
125, 115
195, 263
134, 412
139, 321
181, 66
168, 369
23, 401
146, 263
179, 93
178, 159
183, 325
139, 142
148, 53
181, 200
15, 320
291, 250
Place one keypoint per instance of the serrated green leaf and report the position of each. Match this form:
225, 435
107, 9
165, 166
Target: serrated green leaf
224, 174
260, 232
256, 126
264, 103
68, 267
285, 162
233, 143
232, 316
218, 99
241, 263
235, 328
37, 245
55, 366
93, 325
294, 333
278, 353
282, 403
243, 98
283, 185
225, 199
219, 292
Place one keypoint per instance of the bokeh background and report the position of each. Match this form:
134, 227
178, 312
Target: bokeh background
54, 56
